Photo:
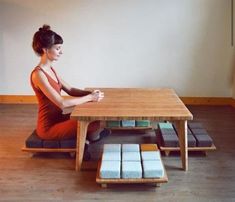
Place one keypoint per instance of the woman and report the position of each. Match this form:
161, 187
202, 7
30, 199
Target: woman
47, 85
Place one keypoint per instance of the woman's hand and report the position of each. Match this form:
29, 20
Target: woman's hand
97, 95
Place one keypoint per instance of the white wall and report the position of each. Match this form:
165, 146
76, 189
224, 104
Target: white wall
183, 44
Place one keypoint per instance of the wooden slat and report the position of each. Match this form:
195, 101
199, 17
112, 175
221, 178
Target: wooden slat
26, 149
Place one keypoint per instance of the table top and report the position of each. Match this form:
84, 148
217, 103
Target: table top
134, 104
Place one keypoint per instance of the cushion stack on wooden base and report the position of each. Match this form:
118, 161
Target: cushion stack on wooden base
128, 123
136, 161
168, 134
33, 141
197, 135
202, 137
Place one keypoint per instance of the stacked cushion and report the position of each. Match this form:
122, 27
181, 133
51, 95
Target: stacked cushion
197, 135
152, 163
202, 137
34, 141
111, 161
134, 164
112, 124
169, 136
142, 123
128, 123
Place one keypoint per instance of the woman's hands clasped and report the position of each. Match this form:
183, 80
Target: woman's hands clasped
97, 96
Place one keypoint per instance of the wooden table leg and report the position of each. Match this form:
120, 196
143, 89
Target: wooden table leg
81, 139
183, 141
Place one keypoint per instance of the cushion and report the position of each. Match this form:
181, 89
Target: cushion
170, 140
128, 123
203, 140
130, 156
199, 131
131, 169
191, 141
150, 155
153, 169
167, 131
110, 169
51, 144
165, 125
192, 125
33, 141
130, 148
149, 147
68, 143
112, 124
112, 147
142, 123
111, 156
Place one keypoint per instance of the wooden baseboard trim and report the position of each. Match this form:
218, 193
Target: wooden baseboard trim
18, 99
31, 99
207, 100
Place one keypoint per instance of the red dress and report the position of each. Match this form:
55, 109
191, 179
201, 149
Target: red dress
51, 123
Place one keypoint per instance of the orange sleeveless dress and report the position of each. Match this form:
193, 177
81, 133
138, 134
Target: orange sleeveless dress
51, 123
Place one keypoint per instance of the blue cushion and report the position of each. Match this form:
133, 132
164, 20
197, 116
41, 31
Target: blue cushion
131, 169
130, 148
130, 156
166, 125
33, 141
112, 147
112, 124
111, 156
128, 123
167, 131
191, 141
199, 131
70, 143
192, 125
170, 140
142, 123
51, 144
203, 140
110, 169
150, 155
153, 169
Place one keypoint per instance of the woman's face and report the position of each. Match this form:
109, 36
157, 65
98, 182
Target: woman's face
54, 52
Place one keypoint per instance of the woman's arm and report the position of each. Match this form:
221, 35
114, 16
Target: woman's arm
73, 91
40, 81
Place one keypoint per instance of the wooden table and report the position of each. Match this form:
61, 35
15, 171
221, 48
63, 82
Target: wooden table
134, 104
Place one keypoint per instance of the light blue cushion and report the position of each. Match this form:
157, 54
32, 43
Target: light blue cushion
165, 125
110, 169
131, 169
128, 123
130, 156
112, 147
150, 155
153, 169
130, 148
111, 156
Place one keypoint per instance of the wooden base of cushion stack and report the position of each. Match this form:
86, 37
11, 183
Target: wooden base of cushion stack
198, 138
34, 144
138, 164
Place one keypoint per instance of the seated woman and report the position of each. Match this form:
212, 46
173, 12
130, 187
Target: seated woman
52, 123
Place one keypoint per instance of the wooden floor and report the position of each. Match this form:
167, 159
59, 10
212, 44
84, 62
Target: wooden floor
51, 177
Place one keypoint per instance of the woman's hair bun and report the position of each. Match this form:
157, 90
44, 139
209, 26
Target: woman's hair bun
45, 28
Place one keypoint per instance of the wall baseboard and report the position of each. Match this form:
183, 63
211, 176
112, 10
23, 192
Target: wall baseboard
31, 99
207, 100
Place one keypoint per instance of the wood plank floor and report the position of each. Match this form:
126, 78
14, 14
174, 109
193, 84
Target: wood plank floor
51, 177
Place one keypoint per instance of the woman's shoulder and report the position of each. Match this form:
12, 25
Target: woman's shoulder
37, 74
